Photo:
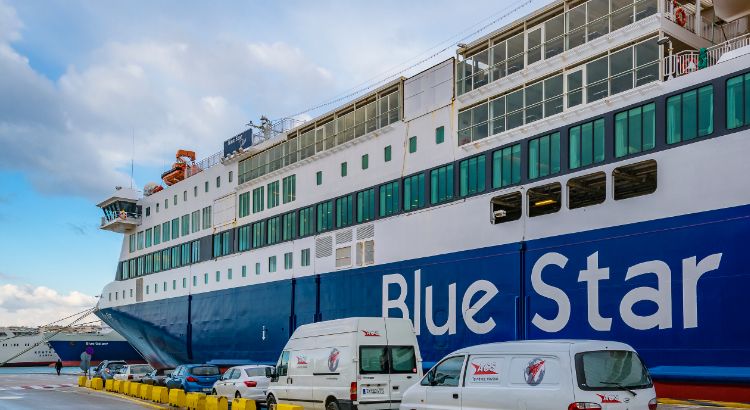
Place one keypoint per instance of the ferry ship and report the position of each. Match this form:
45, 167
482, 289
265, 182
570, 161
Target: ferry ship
21, 346
577, 173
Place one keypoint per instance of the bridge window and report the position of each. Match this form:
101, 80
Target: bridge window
366, 205
471, 176
545, 199
690, 115
587, 190
586, 144
506, 208
414, 192
635, 130
506, 166
635, 179
738, 101
441, 184
544, 156
389, 198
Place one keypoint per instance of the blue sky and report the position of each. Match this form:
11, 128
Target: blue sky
80, 79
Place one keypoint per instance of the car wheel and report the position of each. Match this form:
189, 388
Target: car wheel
332, 405
270, 401
213, 392
237, 395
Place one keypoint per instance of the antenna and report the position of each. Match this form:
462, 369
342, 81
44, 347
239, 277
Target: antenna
132, 155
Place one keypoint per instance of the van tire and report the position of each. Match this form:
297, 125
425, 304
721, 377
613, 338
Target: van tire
332, 405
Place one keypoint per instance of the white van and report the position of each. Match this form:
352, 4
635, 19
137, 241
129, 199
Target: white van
365, 362
536, 375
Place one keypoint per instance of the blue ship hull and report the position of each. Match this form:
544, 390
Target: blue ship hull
672, 288
70, 351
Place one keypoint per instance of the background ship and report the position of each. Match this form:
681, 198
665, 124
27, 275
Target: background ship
22, 346
106, 343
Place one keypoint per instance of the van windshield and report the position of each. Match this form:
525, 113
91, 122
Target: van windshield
387, 359
611, 370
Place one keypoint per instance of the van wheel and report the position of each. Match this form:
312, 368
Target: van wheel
332, 405
237, 395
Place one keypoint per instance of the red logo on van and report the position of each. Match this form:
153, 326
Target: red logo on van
484, 369
333, 359
609, 398
371, 333
534, 373
301, 360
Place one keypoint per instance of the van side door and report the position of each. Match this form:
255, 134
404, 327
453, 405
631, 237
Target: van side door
443, 384
486, 384
279, 386
300, 381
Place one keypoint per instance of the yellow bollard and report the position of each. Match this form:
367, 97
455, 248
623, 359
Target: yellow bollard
145, 391
216, 403
116, 385
82, 381
243, 404
177, 397
109, 385
159, 394
281, 406
195, 401
124, 387
97, 384
133, 390
87, 384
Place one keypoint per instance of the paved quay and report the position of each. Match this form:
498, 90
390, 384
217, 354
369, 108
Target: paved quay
48, 391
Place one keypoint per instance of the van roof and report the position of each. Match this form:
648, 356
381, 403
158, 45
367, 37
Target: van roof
542, 346
347, 325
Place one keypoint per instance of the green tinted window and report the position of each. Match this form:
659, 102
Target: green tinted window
635, 130
471, 176
306, 221
289, 226
389, 199
258, 199
506, 166
290, 188
259, 234
412, 145
544, 156
274, 230
273, 194
165, 236
414, 192
175, 228
586, 144
343, 169
243, 234
439, 135
244, 204
344, 211
441, 184
387, 153
365, 161
738, 104
319, 177
325, 216
366, 205
690, 115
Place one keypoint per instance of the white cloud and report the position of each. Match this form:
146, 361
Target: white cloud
23, 305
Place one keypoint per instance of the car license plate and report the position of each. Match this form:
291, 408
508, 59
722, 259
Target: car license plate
206, 389
372, 390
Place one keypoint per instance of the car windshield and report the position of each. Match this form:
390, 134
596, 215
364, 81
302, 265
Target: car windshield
115, 366
611, 370
205, 371
141, 368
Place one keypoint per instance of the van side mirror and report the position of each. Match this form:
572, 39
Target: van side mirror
272, 374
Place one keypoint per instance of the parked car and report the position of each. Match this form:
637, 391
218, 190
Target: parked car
577, 374
194, 378
366, 363
250, 382
134, 372
107, 368
157, 377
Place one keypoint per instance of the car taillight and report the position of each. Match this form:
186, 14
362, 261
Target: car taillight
130, 377
251, 383
353, 391
582, 406
191, 379
652, 404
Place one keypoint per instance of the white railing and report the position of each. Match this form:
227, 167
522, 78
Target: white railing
203, 164
686, 62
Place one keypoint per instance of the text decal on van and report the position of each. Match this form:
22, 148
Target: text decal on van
534, 373
371, 333
484, 371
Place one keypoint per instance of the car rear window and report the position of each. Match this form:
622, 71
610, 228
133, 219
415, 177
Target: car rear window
255, 371
205, 371
611, 370
141, 369
387, 359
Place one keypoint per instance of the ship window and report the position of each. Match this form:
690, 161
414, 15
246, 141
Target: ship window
205, 278
319, 178
243, 234
273, 194
365, 161
218, 275
157, 207
217, 245
544, 156
414, 192
274, 230
157, 261
184, 196
131, 241
195, 191
149, 263
290, 188
289, 226
196, 251
175, 228
305, 257
229, 273
110, 299
288, 260
506, 166
195, 280
164, 286
140, 240
738, 101
175, 257
185, 252
148, 211
366, 205
166, 259
306, 218
257, 268
506, 208
634, 180
165, 235
325, 216
587, 190
149, 237
586, 144
690, 115
218, 182
244, 271
471, 176
544, 199
205, 187
441, 184
196, 221
635, 130
412, 145
258, 199
343, 169
389, 198
166, 203
230, 177
207, 217
272, 264
185, 224
174, 284
344, 211
386, 154
259, 234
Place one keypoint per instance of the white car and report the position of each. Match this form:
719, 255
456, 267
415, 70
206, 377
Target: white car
249, 382
133, 372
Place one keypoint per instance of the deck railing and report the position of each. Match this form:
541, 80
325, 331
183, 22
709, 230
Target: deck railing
204, 164
689, 61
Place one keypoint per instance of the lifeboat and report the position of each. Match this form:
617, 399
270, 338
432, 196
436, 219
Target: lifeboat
177, 172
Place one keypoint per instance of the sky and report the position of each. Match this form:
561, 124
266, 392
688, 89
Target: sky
87, 86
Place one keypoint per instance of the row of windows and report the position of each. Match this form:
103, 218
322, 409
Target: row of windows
365, 116
187, 224
610, 74
185, 193
583, 23
169, 258
288, 194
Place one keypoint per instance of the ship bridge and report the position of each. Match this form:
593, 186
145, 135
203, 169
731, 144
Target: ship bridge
122, 213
